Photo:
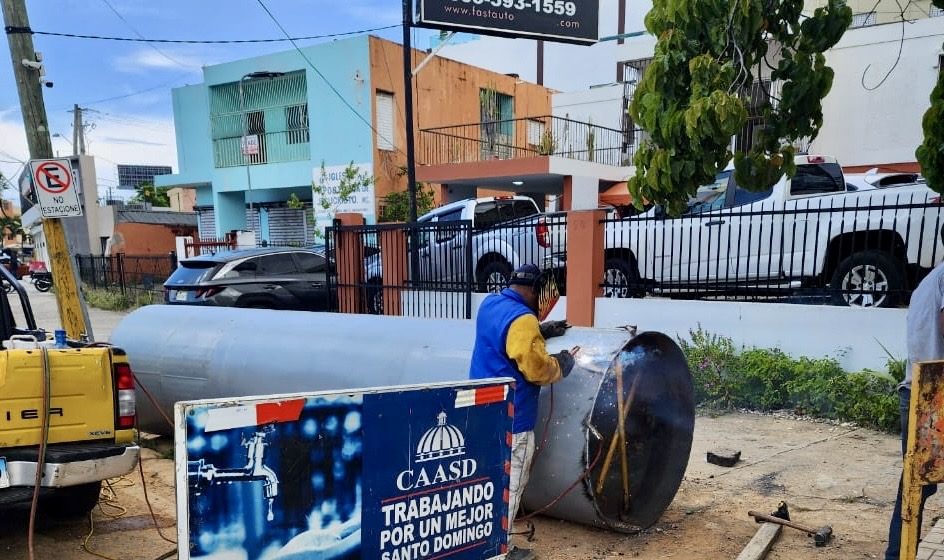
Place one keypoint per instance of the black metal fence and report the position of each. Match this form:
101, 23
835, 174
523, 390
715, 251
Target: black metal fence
422, 273
529, 137
139, 277
859, 250
378, 271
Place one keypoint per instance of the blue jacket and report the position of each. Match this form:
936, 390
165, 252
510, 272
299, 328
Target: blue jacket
490, 359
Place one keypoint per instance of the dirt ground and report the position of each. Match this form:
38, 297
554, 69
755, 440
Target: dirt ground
828, 474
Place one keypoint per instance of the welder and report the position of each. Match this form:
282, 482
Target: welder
510, 342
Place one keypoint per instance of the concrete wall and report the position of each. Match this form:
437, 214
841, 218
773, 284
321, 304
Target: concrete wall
600, 105
446, 94
871, 128
853, 336
145, 239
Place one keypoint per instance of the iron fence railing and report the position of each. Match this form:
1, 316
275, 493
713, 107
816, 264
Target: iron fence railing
526, 137
862, 251
131, 275
396, 269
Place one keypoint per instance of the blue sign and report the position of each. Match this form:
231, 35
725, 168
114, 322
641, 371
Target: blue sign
394, 474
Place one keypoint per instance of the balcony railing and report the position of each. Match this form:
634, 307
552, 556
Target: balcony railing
527, 137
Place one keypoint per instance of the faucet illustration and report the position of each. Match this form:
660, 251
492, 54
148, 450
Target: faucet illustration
201, 475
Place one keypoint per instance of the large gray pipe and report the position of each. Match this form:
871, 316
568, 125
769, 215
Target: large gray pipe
185, 353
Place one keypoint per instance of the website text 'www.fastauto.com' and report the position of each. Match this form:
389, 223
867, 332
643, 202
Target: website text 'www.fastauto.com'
509, 14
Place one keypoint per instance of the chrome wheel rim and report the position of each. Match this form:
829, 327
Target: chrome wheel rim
865, 285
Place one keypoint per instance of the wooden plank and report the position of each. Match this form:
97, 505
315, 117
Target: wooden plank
761, 543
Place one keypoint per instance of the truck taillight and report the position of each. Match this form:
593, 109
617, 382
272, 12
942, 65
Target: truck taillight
125, 397
815, 159
541, 232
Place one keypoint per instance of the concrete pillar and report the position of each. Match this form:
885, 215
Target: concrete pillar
349, 263
584, 264
584, 193
394, 261
230, 209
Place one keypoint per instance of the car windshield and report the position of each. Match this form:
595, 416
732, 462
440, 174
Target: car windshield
192, 272
711, 196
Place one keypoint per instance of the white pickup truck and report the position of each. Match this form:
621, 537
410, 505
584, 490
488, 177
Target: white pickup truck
502, 237
865, 248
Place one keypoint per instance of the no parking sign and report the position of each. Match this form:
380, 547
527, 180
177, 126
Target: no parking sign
55, 187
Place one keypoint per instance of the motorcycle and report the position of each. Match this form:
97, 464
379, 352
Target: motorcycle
42, 281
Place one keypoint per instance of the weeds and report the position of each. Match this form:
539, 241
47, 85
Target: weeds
117, 301
765, 380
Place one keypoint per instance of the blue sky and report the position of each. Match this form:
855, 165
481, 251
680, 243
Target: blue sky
141, 124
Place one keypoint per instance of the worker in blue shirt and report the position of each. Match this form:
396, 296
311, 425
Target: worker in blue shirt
509, 342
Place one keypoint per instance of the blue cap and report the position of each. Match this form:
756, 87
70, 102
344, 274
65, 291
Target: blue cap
525, 275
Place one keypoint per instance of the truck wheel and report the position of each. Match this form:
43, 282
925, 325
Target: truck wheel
73, 501
868, 279
620, 279
494, 277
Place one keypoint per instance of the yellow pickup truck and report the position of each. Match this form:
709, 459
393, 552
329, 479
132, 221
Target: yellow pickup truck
91, 414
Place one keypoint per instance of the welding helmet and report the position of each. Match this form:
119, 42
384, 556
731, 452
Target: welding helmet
543, 285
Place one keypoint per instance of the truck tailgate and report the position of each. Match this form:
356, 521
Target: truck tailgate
82, 406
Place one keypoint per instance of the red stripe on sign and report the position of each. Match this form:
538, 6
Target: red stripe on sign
509, 437
489, 395
511, 409
506, 495
504, 523
284, 411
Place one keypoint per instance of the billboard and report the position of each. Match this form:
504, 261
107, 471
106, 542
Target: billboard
566, 21
387, 474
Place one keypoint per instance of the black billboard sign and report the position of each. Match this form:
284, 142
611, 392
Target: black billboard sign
565, 21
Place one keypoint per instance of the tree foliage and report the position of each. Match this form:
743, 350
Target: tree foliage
396, 205
930, 153
155, 196
690, 98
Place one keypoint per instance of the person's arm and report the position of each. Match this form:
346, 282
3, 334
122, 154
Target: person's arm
525, 346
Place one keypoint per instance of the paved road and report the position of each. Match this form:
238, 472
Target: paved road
47, 315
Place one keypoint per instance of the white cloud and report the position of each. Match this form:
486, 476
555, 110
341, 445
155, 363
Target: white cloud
144, 60
127, 139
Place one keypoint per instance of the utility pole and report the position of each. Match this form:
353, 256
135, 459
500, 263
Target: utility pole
408, 102
78, 131
26, 67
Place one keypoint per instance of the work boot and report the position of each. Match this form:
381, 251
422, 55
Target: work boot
520, 554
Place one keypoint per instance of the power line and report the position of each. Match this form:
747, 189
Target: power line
138, 33
200, 41
322, 76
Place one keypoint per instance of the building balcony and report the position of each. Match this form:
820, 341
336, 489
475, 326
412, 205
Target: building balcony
544, 136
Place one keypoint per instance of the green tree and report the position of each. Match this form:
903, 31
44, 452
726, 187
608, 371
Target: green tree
146, 192
327, 197
11, 226
396, 205
689, 102
930, 153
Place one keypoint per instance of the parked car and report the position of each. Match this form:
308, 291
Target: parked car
864, 248
502, 237
269, 278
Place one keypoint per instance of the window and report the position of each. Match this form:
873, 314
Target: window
862, 20
385, 128
935, 11
310, 264
817, 179
710, 197
486, 215
246, 269
448, 230
276, 265
524, 208
296, 123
